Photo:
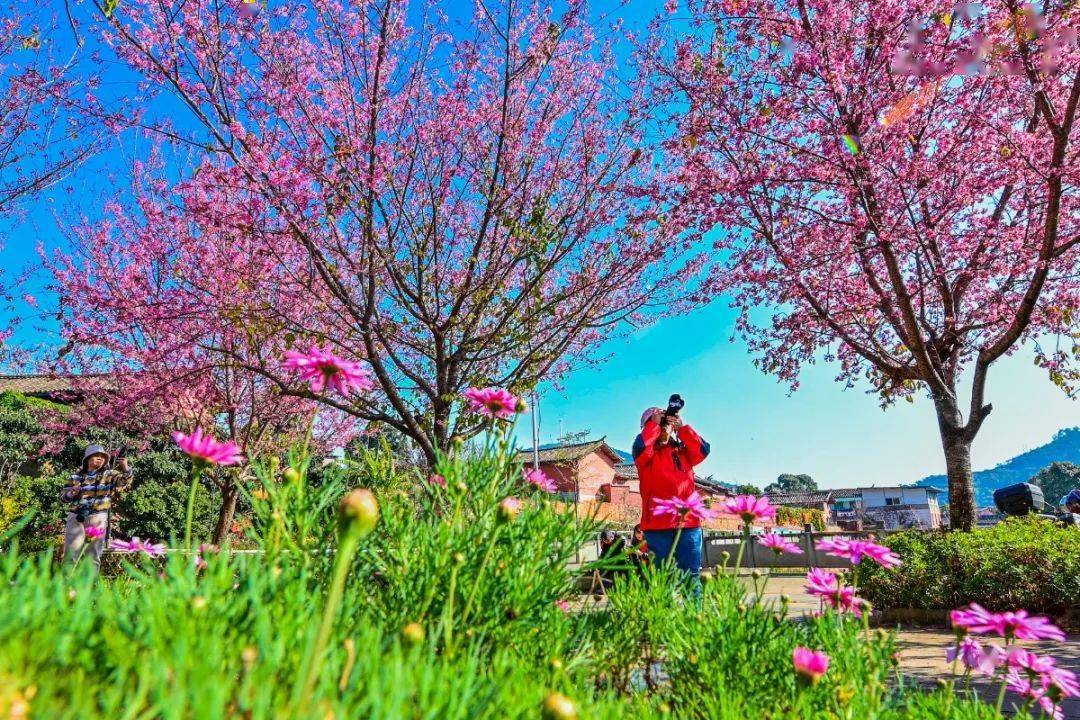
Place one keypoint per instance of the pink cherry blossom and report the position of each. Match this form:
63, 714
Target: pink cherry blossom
492, 402
855, 550
692, 507
779, 544
810, 664
94, 532
808, 198
324, 370
750, 508
537, 477
205, 450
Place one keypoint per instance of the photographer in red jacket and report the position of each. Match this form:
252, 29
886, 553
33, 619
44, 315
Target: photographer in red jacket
666, 452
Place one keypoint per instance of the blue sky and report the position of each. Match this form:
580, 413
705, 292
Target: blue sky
757, 429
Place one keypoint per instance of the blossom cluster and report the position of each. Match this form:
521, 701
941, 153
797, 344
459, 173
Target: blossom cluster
1037, 678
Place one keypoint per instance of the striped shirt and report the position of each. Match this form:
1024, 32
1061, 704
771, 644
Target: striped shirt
92, 491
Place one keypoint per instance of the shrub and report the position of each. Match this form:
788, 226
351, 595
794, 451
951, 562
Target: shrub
800, 517
448, 609
1021, 562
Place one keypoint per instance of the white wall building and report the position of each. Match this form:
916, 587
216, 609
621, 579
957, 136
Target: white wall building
889, 508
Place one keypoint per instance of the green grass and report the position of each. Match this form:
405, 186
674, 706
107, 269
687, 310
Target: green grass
161, 640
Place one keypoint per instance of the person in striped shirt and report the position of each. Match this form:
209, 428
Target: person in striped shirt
89, 494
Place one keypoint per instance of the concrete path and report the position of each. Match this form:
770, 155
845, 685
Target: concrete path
922, 652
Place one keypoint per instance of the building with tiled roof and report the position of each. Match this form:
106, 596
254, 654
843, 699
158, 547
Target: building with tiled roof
59, 388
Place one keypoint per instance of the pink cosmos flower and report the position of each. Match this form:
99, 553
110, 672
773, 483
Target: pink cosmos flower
1058, 680
975, 657
436, 479
563, 605
1011, 625
779, 544
963, 620
537, 477
855, 550
826, 586
135, 545
1038, 690
94, 533
809, 664
493, 402
205, 450
692, 507
322, 369
750, 508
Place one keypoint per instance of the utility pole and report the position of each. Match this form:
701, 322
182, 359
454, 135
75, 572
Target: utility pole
536, 430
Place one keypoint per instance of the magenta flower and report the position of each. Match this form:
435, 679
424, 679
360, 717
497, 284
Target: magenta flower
1038, 689
563, 605
975, 657
205, 450
135, 545
1056, 680
750, 508
493, 402
779, 544
94, 533
538, 478
963, 620
809, 664
322, 369
1013, 625
436, 479
692, 507
855, 550
826, 586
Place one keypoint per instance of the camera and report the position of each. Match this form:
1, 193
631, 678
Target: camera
675, 404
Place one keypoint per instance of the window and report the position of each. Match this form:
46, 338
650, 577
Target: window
892, 500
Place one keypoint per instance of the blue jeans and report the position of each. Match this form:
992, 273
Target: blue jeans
687, 554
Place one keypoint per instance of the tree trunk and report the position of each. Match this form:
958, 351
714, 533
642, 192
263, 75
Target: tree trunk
956, 442
229, 495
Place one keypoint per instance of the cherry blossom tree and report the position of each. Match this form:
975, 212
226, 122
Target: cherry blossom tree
897, 181
49, 123
151, 310
452, 204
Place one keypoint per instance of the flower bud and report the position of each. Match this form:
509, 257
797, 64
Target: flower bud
459, 558
413, 633
291, 475
725, 556
556, 664
756, 574
557, 706
198, 602
785, 598
358, 512
521, 406
509, 509
707, 576
461, 487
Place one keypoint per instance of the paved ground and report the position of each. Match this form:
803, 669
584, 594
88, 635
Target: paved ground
922, 652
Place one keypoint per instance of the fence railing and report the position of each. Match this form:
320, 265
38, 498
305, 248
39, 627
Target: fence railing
715, 544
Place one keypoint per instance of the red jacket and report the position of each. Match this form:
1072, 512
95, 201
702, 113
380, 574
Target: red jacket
666, 471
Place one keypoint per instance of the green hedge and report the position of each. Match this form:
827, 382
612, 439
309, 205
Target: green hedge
1019, 563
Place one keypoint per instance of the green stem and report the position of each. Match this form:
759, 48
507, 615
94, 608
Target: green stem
196, 471
306, 679
480, 572
447, 620
742, 547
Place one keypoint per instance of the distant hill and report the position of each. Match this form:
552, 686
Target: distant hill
1065, 447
